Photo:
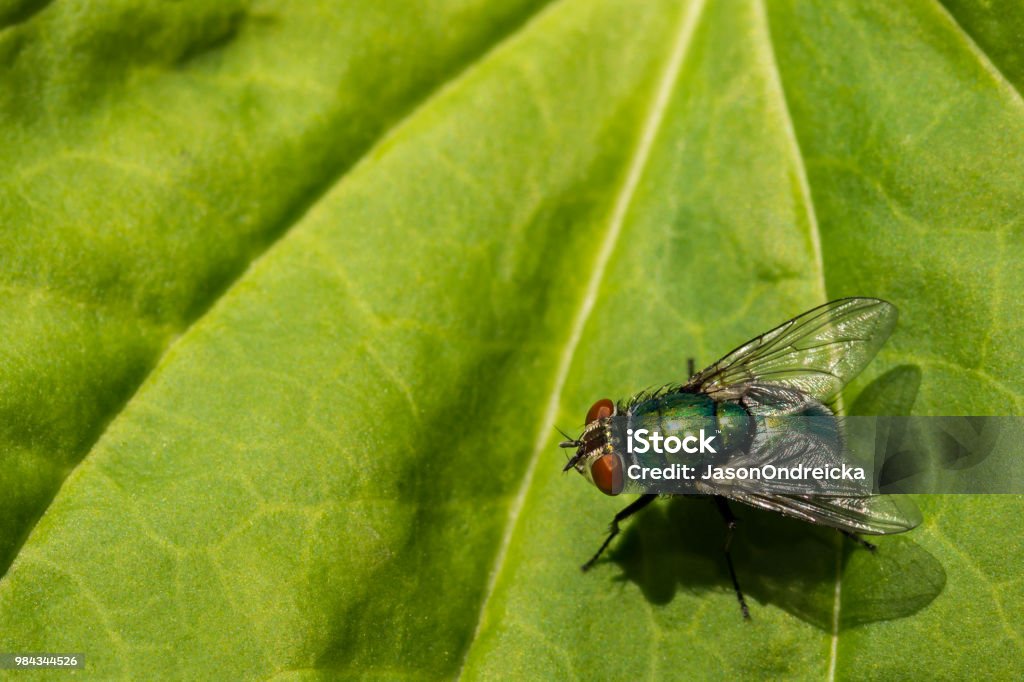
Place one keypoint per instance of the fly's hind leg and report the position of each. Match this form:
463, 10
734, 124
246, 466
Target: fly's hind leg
871, 547
691, 367
730, 525
613, 530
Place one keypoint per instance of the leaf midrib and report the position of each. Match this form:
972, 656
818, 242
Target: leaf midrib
689, 20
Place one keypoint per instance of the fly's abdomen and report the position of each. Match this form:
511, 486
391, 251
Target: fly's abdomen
814, 427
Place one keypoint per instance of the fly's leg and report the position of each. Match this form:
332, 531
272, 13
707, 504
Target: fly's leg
730, 525
613, 530
691, 367
859, 540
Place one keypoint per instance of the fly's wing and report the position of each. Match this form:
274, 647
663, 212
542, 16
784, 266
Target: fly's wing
812, 355
803, 361
874, 515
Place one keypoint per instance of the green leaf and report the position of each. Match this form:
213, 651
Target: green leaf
151, 152
479, 221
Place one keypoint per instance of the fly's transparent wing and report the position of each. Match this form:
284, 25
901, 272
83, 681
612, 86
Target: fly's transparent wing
814, 354
789, 369
874, 515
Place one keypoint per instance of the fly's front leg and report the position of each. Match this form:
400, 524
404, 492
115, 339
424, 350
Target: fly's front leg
730, 526
691, 367
613, 530
859, 540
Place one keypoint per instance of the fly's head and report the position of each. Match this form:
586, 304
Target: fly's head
596, 457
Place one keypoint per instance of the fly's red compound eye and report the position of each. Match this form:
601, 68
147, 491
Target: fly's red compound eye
607, 474
601, 409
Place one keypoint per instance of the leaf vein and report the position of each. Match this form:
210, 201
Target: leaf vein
975, 49
652, 124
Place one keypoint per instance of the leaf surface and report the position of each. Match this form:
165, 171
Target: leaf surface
347, 463
151, 152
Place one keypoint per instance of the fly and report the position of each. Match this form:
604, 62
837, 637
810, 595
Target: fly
797, 368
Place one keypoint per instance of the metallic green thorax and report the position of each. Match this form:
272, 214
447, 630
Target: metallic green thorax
684, 414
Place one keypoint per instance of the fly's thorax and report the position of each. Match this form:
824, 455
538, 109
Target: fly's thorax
691, 418
657, 439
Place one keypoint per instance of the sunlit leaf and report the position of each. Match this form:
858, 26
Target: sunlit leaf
400, 244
